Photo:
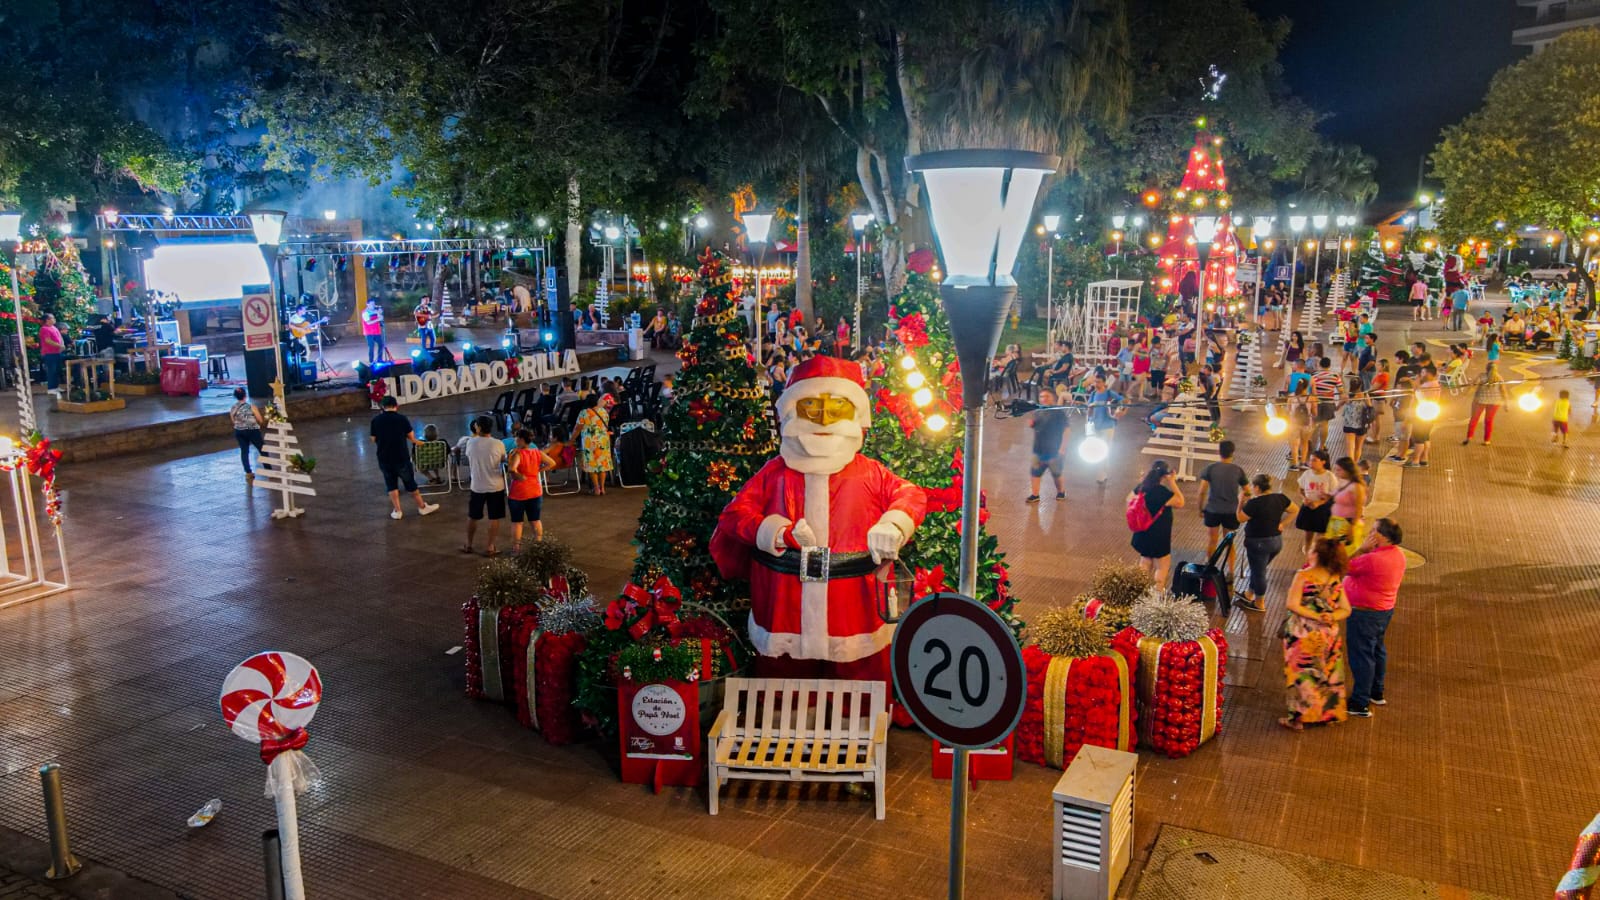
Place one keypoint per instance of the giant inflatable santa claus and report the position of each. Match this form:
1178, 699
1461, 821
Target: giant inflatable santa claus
812, 526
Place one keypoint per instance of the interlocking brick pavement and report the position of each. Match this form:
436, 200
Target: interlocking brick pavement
1479, 773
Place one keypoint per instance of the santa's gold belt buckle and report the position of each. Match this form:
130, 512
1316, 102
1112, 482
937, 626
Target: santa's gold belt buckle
814, 563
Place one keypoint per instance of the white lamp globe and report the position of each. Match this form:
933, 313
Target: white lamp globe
757, 226
268, 226
859, 221
1297, 224
1052, 222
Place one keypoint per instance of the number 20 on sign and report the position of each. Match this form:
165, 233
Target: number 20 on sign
959, 671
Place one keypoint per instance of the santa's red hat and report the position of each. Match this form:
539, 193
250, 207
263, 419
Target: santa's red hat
826, 375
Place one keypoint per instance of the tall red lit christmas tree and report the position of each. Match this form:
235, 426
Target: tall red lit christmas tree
1200, 215
917, 431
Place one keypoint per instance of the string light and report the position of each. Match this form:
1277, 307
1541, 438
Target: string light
915, 380
1427, 410
908, 362
1093, 449
1530, 401
922, 397
937, 422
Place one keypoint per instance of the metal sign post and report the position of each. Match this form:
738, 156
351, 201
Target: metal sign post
959, 671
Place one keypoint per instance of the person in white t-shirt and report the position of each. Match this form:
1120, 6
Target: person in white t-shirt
485, 458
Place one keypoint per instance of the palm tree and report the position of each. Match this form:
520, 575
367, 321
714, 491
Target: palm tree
1338, 176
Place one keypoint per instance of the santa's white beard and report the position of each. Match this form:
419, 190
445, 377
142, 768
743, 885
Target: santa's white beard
820, 449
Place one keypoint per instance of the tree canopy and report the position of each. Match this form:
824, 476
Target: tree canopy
1527, 156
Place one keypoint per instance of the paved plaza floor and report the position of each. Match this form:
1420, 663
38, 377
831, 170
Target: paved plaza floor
1476, 777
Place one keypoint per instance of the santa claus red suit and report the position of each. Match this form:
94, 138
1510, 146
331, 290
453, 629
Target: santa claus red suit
811, 527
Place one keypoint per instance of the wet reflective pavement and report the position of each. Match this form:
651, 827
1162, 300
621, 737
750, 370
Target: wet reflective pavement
1478, 774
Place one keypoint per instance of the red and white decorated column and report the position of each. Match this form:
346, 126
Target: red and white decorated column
269, 699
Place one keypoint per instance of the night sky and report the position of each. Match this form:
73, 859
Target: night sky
1393, 73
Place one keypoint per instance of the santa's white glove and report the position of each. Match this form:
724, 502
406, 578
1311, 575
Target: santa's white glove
801, 535
884, 540
778, 534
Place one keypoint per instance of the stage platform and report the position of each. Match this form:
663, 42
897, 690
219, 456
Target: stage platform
150, 422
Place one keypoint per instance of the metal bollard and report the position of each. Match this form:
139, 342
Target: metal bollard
62, 862
273, 852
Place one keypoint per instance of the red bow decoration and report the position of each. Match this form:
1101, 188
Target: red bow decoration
641, 610
702, 411
511, 369
376, 389
42, 459
294, 740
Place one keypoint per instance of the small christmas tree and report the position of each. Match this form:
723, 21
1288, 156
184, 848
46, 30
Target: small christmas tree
61, 286
1382, 277
916, 432
718, 433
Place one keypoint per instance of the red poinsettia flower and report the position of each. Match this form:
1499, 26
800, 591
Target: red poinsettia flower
920, 261
701, 410
928, 581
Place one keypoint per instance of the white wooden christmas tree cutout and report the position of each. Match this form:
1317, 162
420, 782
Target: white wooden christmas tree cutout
1185, 435
1249, 379
274, 471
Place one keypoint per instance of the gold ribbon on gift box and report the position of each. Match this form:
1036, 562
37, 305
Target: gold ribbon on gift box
1055, 708
533, 682
1150, 662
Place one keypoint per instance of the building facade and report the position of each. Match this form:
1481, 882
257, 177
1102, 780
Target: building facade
1541, 21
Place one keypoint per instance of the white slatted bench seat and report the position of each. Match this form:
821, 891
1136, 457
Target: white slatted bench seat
797, 729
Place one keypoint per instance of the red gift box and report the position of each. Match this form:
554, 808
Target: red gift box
989, 764
658, 727
1179, 689
545, 680
505, 623
1075, 701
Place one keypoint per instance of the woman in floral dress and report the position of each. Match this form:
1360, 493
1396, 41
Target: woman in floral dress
593, 437
1313, 641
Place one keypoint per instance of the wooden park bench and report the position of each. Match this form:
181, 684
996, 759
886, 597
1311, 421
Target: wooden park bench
794, 729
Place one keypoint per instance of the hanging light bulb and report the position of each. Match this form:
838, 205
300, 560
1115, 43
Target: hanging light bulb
1427, 410
937, 422
1276, 424
922, 397
914, 379
1530, 401
1093, 449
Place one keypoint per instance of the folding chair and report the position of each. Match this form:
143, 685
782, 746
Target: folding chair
571, 481
1199, 579
433, 456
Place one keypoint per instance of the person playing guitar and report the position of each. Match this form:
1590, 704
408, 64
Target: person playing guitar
424, 317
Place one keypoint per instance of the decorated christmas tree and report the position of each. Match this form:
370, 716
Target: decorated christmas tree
1200, 214
61, 286
916, 432
718, 433
1382, 277
30, 311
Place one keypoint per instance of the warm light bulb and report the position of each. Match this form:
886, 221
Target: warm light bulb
922, 397
7, 446
1427, 410
908, 362
1093, 449
1277, 425
937, 422
915, 380
1529, 402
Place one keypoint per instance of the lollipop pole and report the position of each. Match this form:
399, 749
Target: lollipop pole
282, 767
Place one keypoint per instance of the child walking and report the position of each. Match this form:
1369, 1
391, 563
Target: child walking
1559, 414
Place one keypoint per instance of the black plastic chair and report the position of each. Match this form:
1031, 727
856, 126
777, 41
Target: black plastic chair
501, 412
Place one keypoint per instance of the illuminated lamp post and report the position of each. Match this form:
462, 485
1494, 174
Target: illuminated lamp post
979, 203
1297, 224
1051, 225
1205, 231
267, 224
757, 226
859, 221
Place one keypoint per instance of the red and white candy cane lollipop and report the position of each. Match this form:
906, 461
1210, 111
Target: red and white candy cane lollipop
269, 699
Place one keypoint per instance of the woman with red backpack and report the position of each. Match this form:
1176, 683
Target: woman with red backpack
1149, 517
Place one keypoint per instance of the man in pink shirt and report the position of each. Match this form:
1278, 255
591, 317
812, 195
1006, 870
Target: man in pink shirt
1371, 585
52, 353
372, 327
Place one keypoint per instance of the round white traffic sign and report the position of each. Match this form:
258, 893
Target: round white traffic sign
958, 671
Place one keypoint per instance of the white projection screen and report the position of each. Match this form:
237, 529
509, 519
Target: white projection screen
205, 274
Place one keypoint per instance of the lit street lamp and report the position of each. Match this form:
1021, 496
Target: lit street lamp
1297, 224
268, 227
1205, 231
1051, 224
979, 203
756, 228
859, 221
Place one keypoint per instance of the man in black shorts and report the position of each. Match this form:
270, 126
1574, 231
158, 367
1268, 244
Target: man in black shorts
392, 436
1049, 434
1219, 495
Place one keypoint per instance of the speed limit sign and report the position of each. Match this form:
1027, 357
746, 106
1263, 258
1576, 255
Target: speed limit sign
958, 670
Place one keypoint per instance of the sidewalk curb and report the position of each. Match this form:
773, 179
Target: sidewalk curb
30, 858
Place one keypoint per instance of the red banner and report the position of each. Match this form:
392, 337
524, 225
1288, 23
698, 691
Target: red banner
658, 725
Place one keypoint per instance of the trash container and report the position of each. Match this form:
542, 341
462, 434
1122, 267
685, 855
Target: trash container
180, 375
635, 343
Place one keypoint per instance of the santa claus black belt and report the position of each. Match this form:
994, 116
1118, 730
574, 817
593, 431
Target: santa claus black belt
819, 563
